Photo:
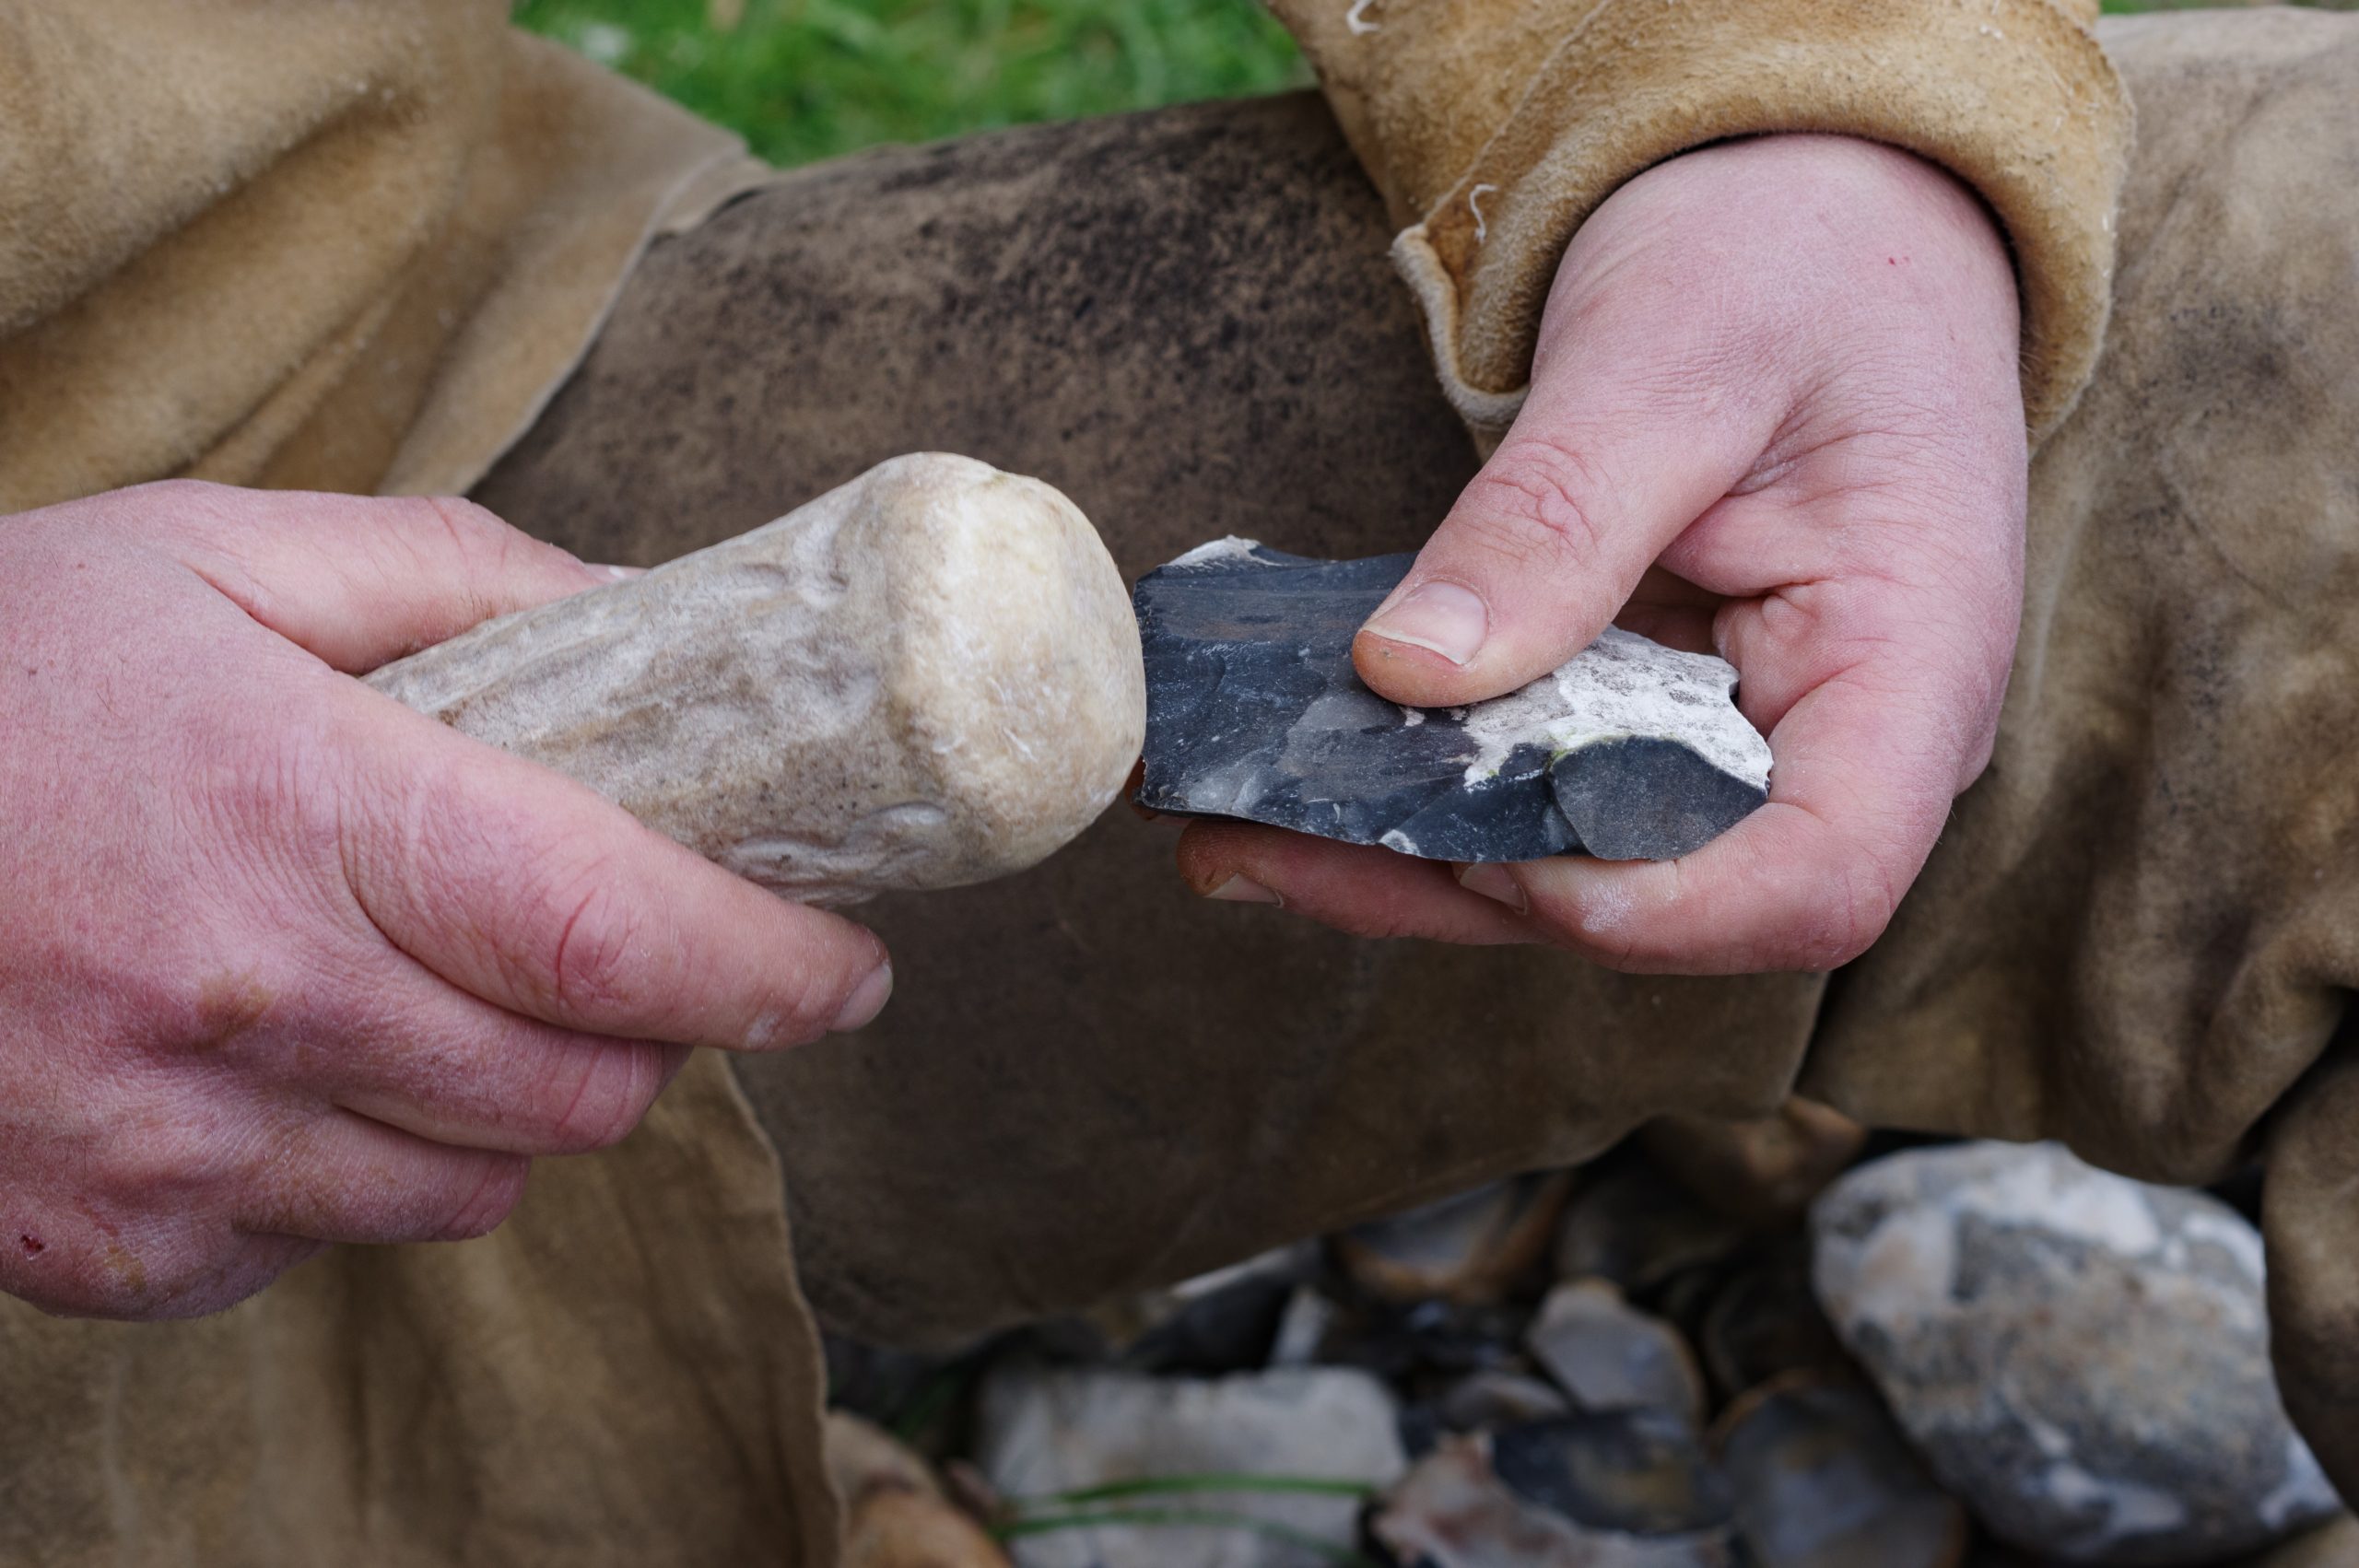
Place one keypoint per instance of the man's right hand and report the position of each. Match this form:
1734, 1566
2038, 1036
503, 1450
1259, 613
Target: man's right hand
283, 963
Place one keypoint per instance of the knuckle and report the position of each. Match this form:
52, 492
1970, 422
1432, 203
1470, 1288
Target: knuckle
1384, 923
559, 920
592, 934
167, 1147
213, 1009
1861, 905
487, 1203
1604, 922
477, 548
466, 521
63, 1281
606, 1097
469, 530
115, 1269
1532, 505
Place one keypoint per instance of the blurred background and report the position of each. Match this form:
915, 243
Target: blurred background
806, 79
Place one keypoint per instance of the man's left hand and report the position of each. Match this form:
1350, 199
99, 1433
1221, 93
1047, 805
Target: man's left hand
1775, 412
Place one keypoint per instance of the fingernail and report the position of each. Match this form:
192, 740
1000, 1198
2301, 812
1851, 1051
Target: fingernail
1441, 615
1240, 890
867, 1001
620, 574
1493, 883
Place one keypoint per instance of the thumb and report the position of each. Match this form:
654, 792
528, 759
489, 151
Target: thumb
359, 581
1621, 442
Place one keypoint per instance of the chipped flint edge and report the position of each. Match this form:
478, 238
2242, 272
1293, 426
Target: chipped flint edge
1228, 547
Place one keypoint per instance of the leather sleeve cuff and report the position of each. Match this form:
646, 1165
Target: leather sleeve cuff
2014, 97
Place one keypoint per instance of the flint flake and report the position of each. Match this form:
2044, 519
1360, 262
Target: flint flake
1631, 751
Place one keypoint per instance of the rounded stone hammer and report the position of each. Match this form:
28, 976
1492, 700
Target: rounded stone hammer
927, 677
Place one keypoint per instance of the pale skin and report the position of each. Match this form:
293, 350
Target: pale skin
285, 964
1774, 413
282, 964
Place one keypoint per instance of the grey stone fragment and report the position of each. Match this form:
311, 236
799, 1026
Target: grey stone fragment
1630, 1489
1045, 1431
1629, 751
2083, 1359
1823, 1481
927, 677
1469, 1247
1638, 1228
1303, 1328
1493, 1398
1226, 1320
1763, 1322
1610, 1356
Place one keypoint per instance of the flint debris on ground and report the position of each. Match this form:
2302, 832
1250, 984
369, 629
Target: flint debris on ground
1778, 1344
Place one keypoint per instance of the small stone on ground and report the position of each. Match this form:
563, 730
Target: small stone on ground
2083, 1358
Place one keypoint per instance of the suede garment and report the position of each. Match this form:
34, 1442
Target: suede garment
1494, 127
352, 245
2137, 935
627, 1377
309, 242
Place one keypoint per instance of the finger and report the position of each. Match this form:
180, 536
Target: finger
1877, 672
341, 1178
529, 890
459, 1071
1359, 889
361, 580
1865, 772
1637, 421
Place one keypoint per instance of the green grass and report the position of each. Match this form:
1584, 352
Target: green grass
804, 79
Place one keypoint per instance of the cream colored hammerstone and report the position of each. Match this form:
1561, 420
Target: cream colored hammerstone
928, 677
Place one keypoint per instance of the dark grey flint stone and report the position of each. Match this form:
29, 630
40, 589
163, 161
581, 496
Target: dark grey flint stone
1612, 1489
2083, 1358
1636, 1472
1632, 751
1823, 1480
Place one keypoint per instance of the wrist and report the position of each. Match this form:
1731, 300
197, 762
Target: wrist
1799, 253
1837, 203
